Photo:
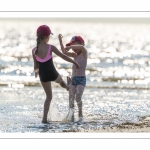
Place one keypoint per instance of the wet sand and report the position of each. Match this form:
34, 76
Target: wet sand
142, 126
139, 127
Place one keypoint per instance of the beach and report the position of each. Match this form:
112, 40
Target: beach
116, 97
22, 109
142, 126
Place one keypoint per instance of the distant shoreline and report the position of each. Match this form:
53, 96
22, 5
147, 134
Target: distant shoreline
84, 19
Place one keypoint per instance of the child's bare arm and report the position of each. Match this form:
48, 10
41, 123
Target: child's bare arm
70, 54
35, 64
61, 43
77, 47
57, 52
63, 49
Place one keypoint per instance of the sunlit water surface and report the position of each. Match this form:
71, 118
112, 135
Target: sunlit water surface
118, 53
22, 109
118, 76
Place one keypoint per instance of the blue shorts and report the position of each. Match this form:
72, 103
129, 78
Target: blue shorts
77, 80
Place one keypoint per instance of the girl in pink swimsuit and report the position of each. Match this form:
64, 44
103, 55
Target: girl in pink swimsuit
44, 67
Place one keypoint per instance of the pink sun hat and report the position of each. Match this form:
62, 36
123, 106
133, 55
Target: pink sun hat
43, 30
75, 39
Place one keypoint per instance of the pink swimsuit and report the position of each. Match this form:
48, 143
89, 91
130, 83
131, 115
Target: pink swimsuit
47, 57
47, 70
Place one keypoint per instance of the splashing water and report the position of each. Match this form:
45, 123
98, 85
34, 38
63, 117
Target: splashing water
69, 116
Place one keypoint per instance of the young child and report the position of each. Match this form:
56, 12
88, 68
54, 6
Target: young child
78, 80
44, 67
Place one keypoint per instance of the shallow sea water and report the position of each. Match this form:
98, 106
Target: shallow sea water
21, 109
118, 53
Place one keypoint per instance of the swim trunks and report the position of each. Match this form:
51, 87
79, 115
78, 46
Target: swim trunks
77, 80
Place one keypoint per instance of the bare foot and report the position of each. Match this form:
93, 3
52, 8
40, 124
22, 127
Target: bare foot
44, 121
68, 82
80, 121
72, 119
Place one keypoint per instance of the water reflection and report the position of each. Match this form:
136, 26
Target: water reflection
115, 50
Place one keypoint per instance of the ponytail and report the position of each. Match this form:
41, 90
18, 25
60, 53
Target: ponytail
39, 38
38, 43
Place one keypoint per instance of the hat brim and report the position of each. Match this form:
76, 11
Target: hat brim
68, 44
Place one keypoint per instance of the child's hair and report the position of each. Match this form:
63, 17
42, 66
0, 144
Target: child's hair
38, 43
39, 38
43, 32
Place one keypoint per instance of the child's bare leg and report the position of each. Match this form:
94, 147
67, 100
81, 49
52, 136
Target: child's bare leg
79, 93
68, 80
62, 83
48, 92
72, 92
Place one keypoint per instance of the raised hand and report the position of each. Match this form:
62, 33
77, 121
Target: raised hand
60, 37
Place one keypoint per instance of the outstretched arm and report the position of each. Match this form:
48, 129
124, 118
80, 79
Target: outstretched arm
63, 49
35, 64
57, 52
77, 47
61, 43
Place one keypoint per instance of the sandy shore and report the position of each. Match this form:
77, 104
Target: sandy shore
142, 126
